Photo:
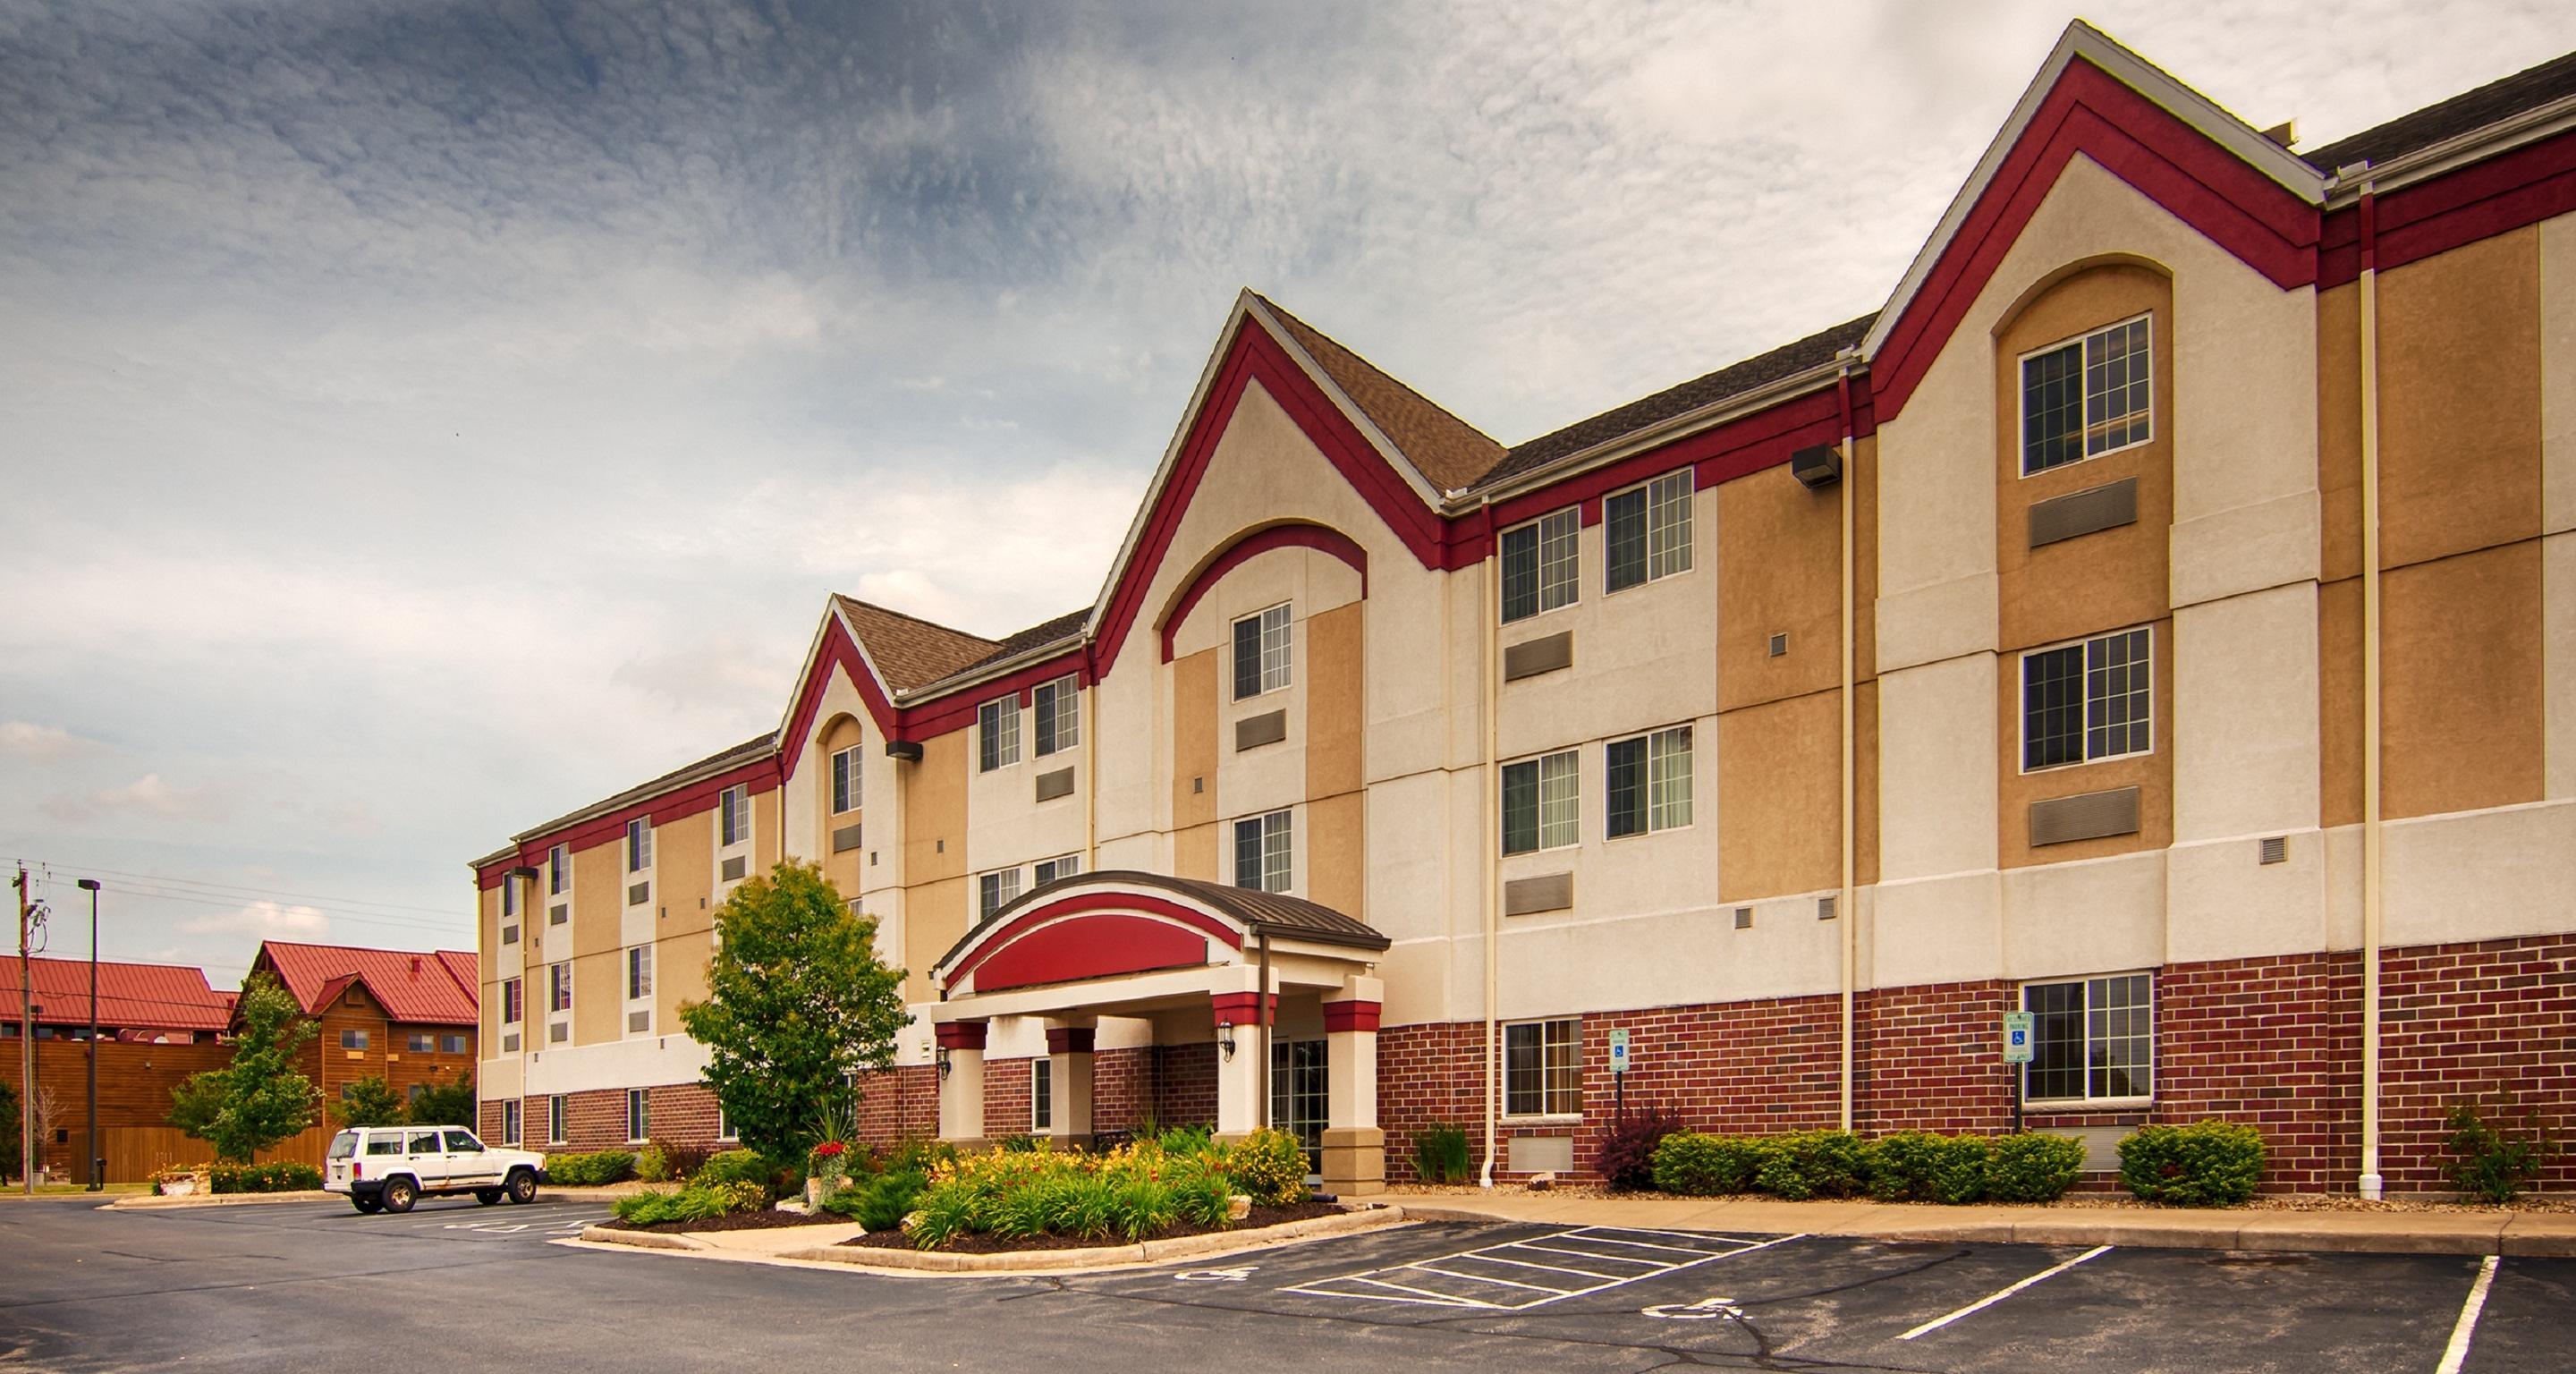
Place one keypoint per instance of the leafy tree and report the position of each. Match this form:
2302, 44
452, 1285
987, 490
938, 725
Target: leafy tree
368, 1102
444, 1104
10, 1145
260, 1098
797, 1003
196, 1102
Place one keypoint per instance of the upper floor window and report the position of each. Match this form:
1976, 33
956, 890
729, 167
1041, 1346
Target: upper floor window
1646, 531
1049, 870
509, 895
418, 1042
2088, 701
1650, 782
558, 869
997, 730
451, 1044
2091, 1038
998, 889
639, 971
353, 1040
511, 1005
2087, 396
558, 987
1059, 715
639, 844
845, 779
733, 816
1262, 852
1261, 653
1542, 803
1542, 565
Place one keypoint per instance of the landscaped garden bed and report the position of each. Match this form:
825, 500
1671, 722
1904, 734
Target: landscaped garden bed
987, 1243
768, 1218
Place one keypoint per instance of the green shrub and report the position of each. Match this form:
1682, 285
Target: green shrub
1177, 1140
695, 1202
891, 1197
1807, 1164
2031, 1167
590, 1170
947, 1211
682, 1161
1143, 1207
914, 1154
276, 1176
2494, 1161
653, 1165
1440, 1153
1695, 1165
1270, 1166
1919, 1166
1020, 1144
736, 1166
2204, 1164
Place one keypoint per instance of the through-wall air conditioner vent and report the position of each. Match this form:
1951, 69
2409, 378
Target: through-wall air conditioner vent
510, 1043
558, 914
2274, 849
509, 935
1779, 645
558, 1033
1825, 907
637, 1021
735, 867
637, 894
1744, 918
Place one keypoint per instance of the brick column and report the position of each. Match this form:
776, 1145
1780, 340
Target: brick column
1354, 1162
961, 1082
1069, 1045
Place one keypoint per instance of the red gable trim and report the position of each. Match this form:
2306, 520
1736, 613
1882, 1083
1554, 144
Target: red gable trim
1295, 536
837, 654
956, 710
758, 776
2504, 193
2165, 159
1254, 356
1130, 902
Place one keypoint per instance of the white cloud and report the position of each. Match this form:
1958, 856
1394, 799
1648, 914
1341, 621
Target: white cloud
40, 743
147, 797
263, 920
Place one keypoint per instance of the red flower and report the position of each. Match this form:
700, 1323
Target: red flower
828, 1149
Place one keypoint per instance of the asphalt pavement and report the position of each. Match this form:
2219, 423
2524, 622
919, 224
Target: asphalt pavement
455, 1286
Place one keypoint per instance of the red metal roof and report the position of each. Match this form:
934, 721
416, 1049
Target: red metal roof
130, 996
432, 987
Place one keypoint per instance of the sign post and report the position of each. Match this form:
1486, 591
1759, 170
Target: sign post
2017, 1050
1619, 1070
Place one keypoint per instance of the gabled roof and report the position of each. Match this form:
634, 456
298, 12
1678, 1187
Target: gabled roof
2467, 112
757, 747
1450, 453
1259, 913
130, 996
908, 651
430, 987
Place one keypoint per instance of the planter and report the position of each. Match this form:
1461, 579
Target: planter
183, 1186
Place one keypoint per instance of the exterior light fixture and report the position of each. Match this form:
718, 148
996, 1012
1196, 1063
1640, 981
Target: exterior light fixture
1225, 1035
1817, 467
908, 751
944, 1065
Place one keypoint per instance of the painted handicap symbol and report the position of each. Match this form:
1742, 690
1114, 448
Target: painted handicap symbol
1236, 1275
1706, 1309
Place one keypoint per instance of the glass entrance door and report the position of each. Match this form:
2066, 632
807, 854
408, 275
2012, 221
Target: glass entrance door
1301, 1095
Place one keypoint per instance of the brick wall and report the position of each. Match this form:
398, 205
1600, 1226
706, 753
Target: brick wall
1006, 1097
1185, 1084
1121, 1087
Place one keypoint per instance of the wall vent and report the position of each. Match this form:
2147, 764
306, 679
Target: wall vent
1531, 657
1828, 907
2274, 849
1197, 785
845, 838
2085, 816
559, 1032
1744, 918
735, 867
638, 1021
510, 1043
558, 914
509, 935
1548, 892
1779, 645
639, 893
1053, 785
2083, 512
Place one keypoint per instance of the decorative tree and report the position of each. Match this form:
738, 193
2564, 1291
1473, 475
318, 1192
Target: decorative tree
262, 1097
368, 1102
797, 1004
41, 1110
196, 1102
444, 1104
10, 1145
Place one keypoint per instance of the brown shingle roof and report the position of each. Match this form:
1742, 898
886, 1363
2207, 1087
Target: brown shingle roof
1450, 453
909, 651
2463, 113
757, 747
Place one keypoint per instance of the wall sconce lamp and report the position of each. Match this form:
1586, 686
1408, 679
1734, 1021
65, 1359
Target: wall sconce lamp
944, 1065
1225, 1035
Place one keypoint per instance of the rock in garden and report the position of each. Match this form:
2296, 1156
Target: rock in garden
1540, 1183
1238, 1207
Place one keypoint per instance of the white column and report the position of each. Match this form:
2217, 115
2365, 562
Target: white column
1238, 1069
1069, 1045
1354, 1162
961, 1080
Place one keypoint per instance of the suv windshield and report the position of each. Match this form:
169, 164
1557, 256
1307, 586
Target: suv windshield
344, 1144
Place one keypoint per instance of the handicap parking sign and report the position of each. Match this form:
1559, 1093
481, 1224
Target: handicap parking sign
2017, 1037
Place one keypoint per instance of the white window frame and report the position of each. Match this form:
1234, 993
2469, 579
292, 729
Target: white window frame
1002, 881
724, 1127
1570, 774
1278, 836
509, 896
1569, 528
1659, 775
733, 817
1671, 514
639, 845
845, 778
418, 1042
639, 1111
442, 1044
558, 1120
639, 971
353, 1039
559, 988
514, 1001
1274, 639
2021, 701
1575, 1113
510, 1120
1057, 704
1056, 870
2021, 398
559, 870
1042, 1093
997, 734
2088, 1102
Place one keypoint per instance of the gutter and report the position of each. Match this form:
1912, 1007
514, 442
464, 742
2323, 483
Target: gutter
2350, 185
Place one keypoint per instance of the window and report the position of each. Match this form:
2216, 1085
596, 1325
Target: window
1650, 782
639, 971
1049, 870
639, 844
1543, 1068
845, 780
412, 1093
451, 1044
511, 1004
1041, 1094
998, 734
999, 889
1542, 803
734, 817
421, 1143
353, 1040
2091, 1040
461, 1142
1262, 852
1059, 710
2087, 396
555, 1120
2088, 701
1261, 653
510, 1121
724, 1126
390, 1144
558, 870
1542, 568
639, 1115
418, 1042
559, 987
1647, 531
509, 895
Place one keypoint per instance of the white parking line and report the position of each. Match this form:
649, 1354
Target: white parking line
2457, 1352
1485, 1293
1991, 1299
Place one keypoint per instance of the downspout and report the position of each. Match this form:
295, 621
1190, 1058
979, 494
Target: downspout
1089, 707
2371, 847
1490, 595
1843, 911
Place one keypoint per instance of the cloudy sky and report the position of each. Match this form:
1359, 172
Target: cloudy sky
418, 419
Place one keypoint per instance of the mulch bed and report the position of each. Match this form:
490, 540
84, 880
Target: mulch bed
736, 1221
979, 1243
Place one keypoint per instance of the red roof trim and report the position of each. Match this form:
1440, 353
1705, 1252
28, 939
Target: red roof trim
2523, 187
994, 941
760, 775
838, 653
1299, 535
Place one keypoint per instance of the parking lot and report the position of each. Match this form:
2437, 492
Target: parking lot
315, 1286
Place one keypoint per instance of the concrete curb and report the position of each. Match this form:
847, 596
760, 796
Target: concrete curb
149, 1202
644, 1240
1208, 1246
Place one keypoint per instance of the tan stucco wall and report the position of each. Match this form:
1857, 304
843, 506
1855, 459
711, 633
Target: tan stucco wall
2460, 667
1778, 795
2459, 378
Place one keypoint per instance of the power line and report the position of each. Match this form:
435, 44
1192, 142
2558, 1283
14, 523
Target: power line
159, 890
213, 886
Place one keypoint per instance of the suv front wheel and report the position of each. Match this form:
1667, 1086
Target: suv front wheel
400, 1194
522, 1186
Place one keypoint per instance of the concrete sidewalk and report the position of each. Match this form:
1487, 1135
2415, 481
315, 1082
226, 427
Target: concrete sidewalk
2437, 1233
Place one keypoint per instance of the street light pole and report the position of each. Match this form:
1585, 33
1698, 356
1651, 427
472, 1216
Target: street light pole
97, 1161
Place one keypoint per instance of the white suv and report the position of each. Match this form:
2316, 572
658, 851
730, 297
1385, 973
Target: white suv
388, 1168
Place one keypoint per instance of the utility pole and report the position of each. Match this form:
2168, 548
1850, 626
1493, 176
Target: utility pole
97, 1160
26, 1047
